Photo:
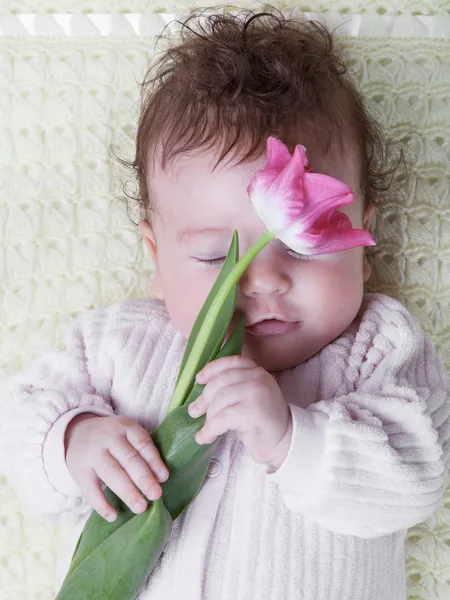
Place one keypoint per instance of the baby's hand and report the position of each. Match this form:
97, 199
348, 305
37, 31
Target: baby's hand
118, 451
243, 397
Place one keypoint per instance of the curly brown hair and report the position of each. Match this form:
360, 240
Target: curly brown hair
233, 79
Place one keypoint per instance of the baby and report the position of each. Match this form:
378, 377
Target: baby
334, 423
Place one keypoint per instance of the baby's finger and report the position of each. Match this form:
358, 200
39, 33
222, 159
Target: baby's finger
225, 362
115, 477
233, 418
140, 439
135, 467
228, 388
94, 494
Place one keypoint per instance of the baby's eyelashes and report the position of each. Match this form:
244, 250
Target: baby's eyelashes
218, 262
213, 262
298, 256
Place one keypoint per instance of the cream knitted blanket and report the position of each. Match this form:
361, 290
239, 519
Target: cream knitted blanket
68, 90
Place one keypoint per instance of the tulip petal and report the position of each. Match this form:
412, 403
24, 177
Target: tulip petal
327, 239
332, 240
301, 207
278, 155
333, 218
263, 202
323, 193
278, 196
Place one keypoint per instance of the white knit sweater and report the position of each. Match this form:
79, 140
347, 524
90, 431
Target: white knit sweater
368, 457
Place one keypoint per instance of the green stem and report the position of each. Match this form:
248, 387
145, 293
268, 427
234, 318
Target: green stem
211, 317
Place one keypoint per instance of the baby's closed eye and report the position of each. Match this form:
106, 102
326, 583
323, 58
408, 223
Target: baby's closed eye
213, 262
298, 256
218, 262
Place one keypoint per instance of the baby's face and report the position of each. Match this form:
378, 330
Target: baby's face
197, 213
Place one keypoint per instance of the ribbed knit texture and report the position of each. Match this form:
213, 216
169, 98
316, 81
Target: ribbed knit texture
368, 458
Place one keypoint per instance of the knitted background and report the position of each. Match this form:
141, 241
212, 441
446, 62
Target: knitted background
68, 91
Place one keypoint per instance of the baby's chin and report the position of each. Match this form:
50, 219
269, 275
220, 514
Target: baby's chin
276, 353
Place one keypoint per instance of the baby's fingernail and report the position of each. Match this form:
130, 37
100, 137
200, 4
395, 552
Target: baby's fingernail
139, 505
162, 474
193, 410
199, 376
110, 517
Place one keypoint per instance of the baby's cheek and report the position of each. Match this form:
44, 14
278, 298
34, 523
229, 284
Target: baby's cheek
184, 299
180, 317
338, 295
347, 290
182, 310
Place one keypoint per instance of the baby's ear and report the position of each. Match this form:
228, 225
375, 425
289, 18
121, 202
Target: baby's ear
369, 213
149, 239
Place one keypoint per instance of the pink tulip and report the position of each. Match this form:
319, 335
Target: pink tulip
300, 208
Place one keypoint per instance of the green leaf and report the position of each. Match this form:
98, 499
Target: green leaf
186, 460
214, 341
104, 548
117, 567
97, 529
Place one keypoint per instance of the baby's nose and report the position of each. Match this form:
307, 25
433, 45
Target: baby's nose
264, 277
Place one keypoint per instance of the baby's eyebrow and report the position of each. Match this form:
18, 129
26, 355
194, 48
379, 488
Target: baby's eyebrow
190, 232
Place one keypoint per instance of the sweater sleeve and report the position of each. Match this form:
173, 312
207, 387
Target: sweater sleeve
37, 406
373, 461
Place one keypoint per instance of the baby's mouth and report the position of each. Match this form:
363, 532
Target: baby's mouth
272, 327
